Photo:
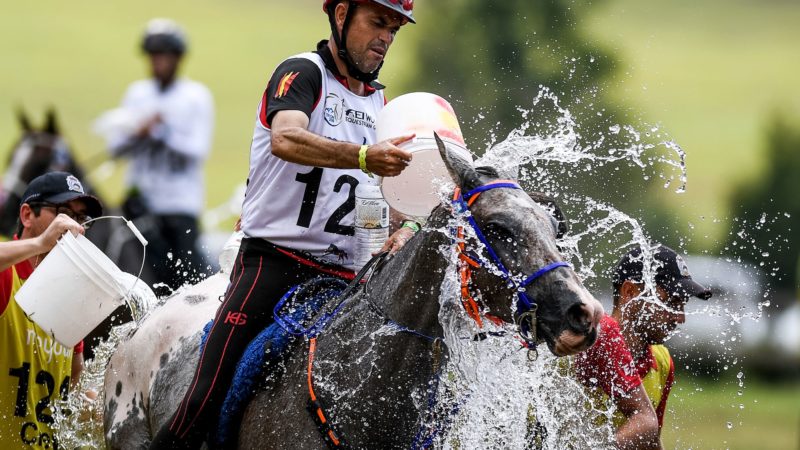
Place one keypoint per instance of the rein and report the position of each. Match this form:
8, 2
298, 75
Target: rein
525, 315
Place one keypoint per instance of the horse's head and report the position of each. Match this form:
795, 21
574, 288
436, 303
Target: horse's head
520, 265
38, 151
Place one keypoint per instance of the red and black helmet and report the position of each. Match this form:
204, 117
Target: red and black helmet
404, 7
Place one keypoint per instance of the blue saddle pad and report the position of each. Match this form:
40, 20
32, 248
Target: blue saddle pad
269, 347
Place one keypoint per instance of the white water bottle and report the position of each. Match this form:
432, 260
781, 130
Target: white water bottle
371, 224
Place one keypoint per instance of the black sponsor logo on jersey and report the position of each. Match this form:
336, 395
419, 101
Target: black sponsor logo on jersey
334, 109
359, 118
340, 254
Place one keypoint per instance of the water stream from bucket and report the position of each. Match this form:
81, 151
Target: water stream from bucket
503, 399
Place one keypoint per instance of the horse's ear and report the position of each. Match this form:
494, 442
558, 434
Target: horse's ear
461, 170
22, 118
51, 122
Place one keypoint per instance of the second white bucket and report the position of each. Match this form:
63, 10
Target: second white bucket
415, 192
72, 290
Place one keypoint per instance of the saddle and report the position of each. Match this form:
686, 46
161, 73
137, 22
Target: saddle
304, 311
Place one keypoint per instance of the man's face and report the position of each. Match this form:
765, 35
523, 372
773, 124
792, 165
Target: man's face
164, 65
656, 321
76, 209
371, 33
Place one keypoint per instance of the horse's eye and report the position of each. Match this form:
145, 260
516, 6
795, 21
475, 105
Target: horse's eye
497, 232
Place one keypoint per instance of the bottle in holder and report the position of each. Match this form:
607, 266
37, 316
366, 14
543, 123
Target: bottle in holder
371, 222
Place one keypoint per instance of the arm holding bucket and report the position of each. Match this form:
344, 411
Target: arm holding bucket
13, 252
291, 141
640, 430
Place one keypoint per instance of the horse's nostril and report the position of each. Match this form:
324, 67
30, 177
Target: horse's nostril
579, 318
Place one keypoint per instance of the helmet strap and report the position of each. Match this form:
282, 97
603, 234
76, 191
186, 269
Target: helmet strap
341, 44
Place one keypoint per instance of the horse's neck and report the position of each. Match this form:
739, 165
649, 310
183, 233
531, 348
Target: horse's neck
410, 282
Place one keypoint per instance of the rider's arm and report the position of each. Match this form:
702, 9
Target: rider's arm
291, 141
640, 430
123, 141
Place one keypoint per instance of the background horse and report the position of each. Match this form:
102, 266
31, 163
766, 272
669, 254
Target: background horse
379, 358
37, 152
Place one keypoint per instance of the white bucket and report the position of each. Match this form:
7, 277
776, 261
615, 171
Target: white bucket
415, 191
72, 290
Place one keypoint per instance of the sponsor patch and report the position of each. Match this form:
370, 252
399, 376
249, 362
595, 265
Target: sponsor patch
74, 184
334, 109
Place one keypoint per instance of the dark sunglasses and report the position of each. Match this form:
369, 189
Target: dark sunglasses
64, 209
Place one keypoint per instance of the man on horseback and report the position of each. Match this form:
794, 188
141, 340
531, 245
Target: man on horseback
313, 143
36, 370
629, 362
166, 153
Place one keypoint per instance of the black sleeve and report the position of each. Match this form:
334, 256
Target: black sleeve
295, 85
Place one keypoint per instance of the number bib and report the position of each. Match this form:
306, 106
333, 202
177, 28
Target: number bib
311, 208
35, 372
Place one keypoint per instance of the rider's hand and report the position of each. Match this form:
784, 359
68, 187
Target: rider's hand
147, 128
386, 159
396, 241
60, 225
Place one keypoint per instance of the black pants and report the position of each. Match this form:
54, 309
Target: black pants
262, 274
173, 239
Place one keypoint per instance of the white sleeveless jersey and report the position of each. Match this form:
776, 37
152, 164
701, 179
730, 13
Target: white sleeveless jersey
311, 208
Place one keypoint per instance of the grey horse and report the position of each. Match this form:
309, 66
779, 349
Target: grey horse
372, 368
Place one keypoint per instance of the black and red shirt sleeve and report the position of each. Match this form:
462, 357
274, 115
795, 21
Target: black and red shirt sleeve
295, 85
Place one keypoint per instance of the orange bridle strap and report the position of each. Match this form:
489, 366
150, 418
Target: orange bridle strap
465, 265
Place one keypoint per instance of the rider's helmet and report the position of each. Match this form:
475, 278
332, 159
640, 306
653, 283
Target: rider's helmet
404, 7
164, 36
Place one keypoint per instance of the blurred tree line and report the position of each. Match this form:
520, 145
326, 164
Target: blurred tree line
776, 192
490, 59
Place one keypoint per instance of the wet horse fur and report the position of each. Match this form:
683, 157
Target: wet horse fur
373, 378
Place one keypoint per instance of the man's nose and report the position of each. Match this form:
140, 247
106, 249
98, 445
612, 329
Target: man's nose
680, 317
387, 36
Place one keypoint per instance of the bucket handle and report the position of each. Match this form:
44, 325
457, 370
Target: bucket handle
141, 240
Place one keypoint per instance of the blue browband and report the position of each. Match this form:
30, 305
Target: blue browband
524, 303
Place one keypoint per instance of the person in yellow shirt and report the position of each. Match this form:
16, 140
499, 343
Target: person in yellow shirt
629, 356
35, 369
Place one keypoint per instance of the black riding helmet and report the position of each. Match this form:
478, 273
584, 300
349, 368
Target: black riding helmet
164, 36
404, 7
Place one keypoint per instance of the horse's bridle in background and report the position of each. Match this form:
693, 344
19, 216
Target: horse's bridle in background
525, 315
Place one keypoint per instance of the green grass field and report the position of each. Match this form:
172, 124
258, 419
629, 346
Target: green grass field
766, 416
711, 73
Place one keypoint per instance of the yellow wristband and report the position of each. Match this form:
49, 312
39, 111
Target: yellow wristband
362, 159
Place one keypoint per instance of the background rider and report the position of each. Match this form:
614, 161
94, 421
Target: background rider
166, 152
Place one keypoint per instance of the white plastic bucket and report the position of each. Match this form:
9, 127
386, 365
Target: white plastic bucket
72, 290
415, 191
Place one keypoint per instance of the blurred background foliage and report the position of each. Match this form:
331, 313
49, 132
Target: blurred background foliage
718, 77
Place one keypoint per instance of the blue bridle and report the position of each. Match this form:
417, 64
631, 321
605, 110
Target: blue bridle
526, 306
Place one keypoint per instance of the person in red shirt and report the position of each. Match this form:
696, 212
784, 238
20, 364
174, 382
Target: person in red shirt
35, 369
629, 363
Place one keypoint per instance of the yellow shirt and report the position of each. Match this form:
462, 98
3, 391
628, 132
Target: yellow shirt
34, 371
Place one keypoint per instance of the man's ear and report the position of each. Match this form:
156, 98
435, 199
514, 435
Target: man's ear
340, 13
26, 216
628, 290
